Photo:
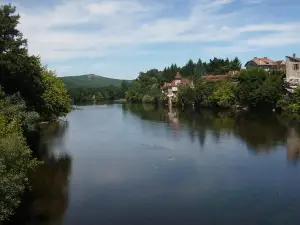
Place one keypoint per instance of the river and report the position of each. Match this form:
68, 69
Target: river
137, 165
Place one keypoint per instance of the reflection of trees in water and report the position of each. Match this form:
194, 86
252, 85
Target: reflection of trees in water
261, 133
47, 201
293, 145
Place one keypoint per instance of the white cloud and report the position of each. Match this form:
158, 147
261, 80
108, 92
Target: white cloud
92, 28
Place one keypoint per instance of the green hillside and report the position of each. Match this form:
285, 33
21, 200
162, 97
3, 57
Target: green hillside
90, 81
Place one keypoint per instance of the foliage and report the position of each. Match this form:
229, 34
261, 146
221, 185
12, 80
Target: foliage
91, 81
290, 102
148, 99
22, 73
204, 91
222, 66
256, 88
28, 91
148, 82
223, 95
14, 107
19, 71
15, 160
186, 95
55, 96
82, 95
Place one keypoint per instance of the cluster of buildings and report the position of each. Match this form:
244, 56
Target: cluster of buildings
291, 65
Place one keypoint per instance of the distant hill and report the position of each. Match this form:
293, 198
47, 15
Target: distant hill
90, 81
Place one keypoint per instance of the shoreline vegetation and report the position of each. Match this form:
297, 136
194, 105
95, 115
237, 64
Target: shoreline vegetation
29, 94
251, 89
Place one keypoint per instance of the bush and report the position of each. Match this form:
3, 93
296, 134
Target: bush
148, 99
15, 163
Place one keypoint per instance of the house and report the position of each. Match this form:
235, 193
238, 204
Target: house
264, 63
293, 70
171, 89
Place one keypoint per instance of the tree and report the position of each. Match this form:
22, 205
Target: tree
124, 87
199, 70
19, 72
249, 82
55, 96
290, 102
186, 95
236, 64
223, 95
15, 160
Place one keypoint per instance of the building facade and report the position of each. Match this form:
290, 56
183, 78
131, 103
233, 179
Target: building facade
293, 70
171, 89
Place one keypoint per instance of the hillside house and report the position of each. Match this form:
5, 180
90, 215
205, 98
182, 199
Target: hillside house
264, 63
293, 70
171, 89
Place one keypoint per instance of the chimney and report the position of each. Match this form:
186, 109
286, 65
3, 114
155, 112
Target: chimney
294, 55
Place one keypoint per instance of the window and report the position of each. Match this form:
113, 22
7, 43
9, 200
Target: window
296, 66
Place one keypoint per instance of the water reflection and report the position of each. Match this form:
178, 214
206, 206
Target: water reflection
47, 201
139, 164
261, 133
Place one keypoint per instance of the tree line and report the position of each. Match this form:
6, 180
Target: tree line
109, 93
252, 88
29, 93
146, 88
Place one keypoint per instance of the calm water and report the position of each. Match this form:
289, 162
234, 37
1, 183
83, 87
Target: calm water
136, 165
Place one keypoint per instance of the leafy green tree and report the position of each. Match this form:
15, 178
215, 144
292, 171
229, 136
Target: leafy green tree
55, 96
258, 89
19, 72
270, 91
223, 95
14, 107
148, 99
186, 95
15, 160
290, 102
249, 82
204, 91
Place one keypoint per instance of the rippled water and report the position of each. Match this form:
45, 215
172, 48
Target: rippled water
122, 164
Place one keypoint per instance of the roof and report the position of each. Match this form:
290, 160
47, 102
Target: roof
178, 75
293, 58
172, 84
215, 77
265, 61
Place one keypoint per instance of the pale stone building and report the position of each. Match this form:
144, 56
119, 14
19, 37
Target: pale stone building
293, 70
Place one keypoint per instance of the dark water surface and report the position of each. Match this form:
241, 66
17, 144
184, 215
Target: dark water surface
136, 165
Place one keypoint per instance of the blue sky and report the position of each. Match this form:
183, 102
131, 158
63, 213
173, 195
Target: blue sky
120, 38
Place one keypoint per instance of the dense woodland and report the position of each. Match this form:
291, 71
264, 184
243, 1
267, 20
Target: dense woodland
29, 94
99, 94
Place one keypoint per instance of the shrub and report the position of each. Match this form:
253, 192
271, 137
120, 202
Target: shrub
148, 99
15, 163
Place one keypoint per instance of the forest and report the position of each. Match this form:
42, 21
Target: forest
29, 93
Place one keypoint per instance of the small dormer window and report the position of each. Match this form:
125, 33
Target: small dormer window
296, 66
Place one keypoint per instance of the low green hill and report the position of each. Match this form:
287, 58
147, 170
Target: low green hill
90, 81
